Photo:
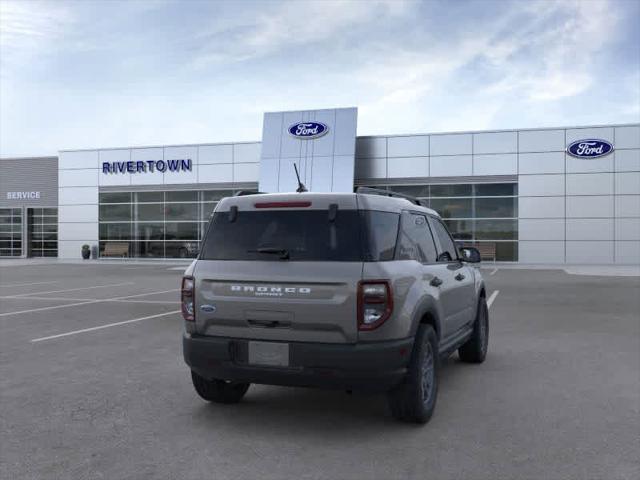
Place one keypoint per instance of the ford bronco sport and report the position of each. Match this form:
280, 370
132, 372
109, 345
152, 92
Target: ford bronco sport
357, 291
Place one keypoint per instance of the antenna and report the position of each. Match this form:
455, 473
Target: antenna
301, 188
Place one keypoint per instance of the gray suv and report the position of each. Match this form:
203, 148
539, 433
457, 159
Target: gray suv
356, 291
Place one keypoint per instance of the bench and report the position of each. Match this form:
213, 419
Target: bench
116, 250
487, 250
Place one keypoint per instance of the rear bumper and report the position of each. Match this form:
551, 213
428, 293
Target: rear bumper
375, 366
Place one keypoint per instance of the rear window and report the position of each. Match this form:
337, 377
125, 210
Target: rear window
305, 235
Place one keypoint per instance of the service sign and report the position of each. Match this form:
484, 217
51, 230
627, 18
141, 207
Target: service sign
308, 130
23, 195
589, 148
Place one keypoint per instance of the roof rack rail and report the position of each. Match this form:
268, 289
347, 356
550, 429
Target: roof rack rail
244, 193
391, 193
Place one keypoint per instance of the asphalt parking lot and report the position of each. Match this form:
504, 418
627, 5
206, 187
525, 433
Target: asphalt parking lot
93, 385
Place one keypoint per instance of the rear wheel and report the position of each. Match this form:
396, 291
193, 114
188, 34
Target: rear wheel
218, 391
415, 399
475, 349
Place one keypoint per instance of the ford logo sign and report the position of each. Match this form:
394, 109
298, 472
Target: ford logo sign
308, 130
590, 148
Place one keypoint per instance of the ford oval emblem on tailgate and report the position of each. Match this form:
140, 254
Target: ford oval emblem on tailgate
208, 308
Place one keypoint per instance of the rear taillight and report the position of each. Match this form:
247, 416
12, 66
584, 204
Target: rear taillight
375, 303
186, 299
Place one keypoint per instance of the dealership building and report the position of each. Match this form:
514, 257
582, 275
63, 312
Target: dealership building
544, 195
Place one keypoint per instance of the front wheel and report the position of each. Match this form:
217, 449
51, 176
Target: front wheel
218, 391
415, 399
475, 349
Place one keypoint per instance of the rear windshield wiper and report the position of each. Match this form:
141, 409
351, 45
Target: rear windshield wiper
283, 252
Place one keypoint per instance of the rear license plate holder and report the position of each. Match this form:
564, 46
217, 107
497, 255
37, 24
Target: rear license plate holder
269, 354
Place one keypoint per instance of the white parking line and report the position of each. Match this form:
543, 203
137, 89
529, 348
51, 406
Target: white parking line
84, 330
41, 309
87, 302
25, 284
67, 299
492, 297
493, 272
75, 289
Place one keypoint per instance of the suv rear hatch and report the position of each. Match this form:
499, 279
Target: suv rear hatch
281, 267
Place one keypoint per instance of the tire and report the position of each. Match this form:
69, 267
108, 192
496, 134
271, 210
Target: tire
415, 399
218, 391
475, 349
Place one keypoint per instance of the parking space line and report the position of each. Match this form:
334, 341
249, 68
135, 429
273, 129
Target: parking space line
25, 284
84, 330
41, 309
87, 302
492, 297
75, 289
67, 299
493, 272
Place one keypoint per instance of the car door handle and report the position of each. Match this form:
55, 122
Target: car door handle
435, 282
459, 277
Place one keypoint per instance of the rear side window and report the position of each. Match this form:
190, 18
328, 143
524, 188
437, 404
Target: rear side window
305, 235
381, 234
447, 247
415, 241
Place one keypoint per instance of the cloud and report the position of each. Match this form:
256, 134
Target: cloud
287, 25
28, 27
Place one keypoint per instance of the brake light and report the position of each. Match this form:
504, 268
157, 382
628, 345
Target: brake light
375, 303
282, 204
186, 299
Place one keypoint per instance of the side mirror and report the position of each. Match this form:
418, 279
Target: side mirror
470, 254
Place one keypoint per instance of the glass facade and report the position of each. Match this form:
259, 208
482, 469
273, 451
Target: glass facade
42, 228
482, 214
156, 224
10, 232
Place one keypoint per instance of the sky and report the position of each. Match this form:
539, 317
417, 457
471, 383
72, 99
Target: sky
84, 74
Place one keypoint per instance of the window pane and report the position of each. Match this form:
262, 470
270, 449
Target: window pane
115, 212
447, 247
207, 210
181, 211
181, 196
50, 211
115, 231
415, 242
460, 229
149, 231
496, 229
181, 249
147, 212
124, 197
215, 195
453, 207
451, 190
382, 231
149, 197
496, 207
306, 235
181, 231
148, 249
412, 190
496, 189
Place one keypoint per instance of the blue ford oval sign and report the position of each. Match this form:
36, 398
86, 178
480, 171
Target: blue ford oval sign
590, 148
308, 130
